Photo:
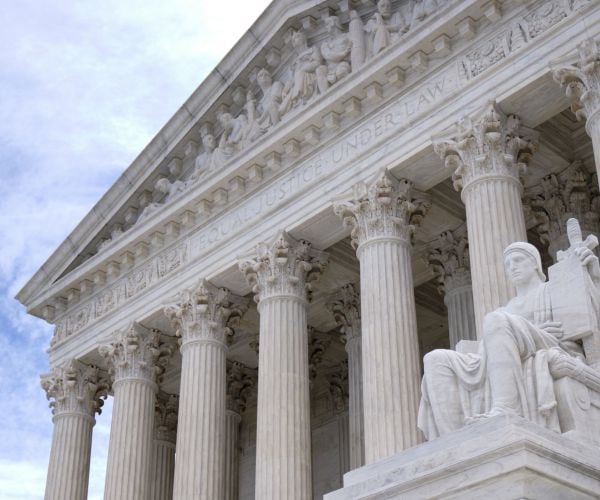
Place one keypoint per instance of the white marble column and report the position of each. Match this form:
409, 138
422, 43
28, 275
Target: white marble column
136, 358
581, 82
165, 434
383, 215
281, 277
240, 381
201, 317
570, 194
346, 311
76, 391
449, 258
487, 156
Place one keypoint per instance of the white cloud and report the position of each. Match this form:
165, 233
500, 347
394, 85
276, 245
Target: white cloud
83, 88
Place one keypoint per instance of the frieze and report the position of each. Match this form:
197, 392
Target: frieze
396, 117
130, 285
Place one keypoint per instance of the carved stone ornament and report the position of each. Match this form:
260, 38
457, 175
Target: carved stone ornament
539, 355
76, 388
317, 345
572, 193
165, 417
338, 386
488, 145
205, 312
385, 208
286, 267
449, 260
241, 384
137, 353
346, 311
581, 80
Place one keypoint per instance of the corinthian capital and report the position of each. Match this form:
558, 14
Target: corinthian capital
385, 208
346, 311
165, 417
137, 353
241, 382
490, 144
571, 194
205, 313
75, 388
449, 260
581, 80
285, 267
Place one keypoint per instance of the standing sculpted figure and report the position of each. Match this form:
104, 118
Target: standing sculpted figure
384, 27
422, 9
510, 374
303, 84
335, 51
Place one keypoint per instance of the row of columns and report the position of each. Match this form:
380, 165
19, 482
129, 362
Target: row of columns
487, 153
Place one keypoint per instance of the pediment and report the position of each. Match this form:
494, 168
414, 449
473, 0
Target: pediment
284, 87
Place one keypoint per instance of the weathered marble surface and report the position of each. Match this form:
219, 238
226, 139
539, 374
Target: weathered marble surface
501, 457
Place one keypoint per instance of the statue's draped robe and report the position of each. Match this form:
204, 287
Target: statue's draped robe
456, 386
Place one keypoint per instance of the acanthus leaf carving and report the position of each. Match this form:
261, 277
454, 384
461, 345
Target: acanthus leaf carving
385, 208
449, 260
137, 352
205, 312
76, 387
285, 267
338, 385
165, 417
242, 383
345, 309
491, 144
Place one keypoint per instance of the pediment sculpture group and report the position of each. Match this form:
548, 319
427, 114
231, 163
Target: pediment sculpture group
307, 73
539, 355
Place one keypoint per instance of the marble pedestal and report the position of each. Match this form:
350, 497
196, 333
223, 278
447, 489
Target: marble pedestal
500, 458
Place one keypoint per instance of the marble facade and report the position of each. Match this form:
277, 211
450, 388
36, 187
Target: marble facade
258, 289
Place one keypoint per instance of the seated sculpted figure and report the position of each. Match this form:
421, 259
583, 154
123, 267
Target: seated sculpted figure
384, 27
510, 374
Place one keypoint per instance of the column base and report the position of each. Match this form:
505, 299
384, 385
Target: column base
503, 457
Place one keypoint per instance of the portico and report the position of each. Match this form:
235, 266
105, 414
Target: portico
289, 277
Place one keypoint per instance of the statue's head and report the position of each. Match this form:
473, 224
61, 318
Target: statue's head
208, 141
522, 261
384, 7
298, 39
333, 24
163, 185
264, 79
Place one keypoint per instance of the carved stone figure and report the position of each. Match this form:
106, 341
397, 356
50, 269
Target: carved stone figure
335, 51
384, 27
204, 164
526, 344
303, 84
269, 107
166, 191
422, 9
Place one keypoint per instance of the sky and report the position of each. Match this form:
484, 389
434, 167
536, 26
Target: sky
84, 86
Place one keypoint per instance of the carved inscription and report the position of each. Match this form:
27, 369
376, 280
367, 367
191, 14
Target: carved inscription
385, 124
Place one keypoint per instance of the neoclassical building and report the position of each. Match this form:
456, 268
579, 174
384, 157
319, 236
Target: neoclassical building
257, 290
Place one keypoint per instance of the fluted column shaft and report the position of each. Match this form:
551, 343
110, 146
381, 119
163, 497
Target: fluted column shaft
163, 469
76, 390
384, 215
69, 468
130, 448
232, 432
137, 358
281, 277
494, 220
390, 348
461, 316
355, 402
202, 316
200, 448
487, 155
283, 444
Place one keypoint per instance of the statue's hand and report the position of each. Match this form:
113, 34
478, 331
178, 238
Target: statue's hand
586, 256
553, 328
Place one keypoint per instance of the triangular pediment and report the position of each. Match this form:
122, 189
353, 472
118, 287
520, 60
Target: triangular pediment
275, 95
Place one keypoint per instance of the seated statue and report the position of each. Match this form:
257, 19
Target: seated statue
528, 347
